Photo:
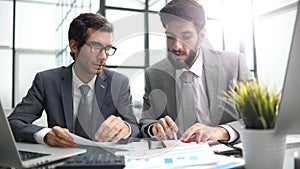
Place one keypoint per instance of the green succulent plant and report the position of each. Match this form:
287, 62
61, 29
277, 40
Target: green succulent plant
256, 104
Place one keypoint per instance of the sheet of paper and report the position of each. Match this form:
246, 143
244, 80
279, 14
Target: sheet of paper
223, 162
178, 154
133, 146
82, 141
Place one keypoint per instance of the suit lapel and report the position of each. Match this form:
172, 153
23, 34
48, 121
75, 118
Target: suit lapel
100, 87
67, 96
170, 88
215, 81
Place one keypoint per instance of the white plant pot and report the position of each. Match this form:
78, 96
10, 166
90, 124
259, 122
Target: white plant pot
263, 149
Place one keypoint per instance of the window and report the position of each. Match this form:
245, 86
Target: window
248, 27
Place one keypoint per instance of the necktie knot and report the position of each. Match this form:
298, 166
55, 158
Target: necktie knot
84, 89
186, 77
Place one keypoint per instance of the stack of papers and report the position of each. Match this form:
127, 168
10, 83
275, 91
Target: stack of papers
176, 155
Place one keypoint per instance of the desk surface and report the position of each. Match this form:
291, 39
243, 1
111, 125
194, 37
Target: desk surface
288, 160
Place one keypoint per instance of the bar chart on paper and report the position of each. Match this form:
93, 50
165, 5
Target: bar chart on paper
171, 157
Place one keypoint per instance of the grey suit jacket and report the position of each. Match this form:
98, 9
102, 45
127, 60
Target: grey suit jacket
52, 91
220, 68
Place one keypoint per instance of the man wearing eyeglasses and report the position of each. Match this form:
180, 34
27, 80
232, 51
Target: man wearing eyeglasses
84, 98
182, 92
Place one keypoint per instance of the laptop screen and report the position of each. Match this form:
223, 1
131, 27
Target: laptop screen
9, 149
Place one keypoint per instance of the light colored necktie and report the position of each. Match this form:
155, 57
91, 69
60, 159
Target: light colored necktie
204, 117
187, 117
83, 120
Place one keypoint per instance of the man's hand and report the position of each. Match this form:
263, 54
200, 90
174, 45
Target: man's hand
113, 128
201, 133
59, 137
164, 128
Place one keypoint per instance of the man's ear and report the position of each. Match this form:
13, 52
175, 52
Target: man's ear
73, 46
202, 34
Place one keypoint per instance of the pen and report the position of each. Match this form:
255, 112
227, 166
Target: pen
228, 152
163, 144
149, 143
174, 135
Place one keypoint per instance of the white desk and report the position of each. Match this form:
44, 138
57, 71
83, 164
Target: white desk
293, 144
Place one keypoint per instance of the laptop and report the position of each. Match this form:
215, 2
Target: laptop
288, 119
24, 155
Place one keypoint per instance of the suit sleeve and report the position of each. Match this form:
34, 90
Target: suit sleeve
123, 99
27, 111
148, 117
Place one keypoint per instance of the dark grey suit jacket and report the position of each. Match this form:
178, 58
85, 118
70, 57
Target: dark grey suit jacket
220, 68
52, 91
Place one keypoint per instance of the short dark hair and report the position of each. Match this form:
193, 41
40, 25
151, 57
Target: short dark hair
189, 10
81, 23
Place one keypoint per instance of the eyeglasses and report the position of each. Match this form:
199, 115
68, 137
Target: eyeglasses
97, 48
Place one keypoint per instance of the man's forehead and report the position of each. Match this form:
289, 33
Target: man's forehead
98, 35
179, 27
92, 32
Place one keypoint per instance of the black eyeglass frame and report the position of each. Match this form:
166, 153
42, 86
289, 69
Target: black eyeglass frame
94, 46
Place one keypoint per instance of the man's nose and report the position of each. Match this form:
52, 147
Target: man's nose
102, 55
177, 44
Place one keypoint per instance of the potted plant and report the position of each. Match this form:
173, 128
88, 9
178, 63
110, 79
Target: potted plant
257, 106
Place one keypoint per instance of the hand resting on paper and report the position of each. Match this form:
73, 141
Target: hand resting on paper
113, 128
202, 133
164, 128
59, 137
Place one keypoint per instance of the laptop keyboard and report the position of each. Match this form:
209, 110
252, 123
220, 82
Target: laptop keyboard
90, 161
25, 155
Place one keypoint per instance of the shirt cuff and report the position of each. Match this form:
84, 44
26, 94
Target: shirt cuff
39, 135
129, 130
233, 135
149, 128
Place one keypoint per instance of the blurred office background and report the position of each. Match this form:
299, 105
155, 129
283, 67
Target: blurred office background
33, 37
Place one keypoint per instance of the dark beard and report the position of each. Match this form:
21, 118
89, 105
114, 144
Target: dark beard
177, 64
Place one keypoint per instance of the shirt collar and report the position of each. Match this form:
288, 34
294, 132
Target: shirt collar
196, 68
77, 82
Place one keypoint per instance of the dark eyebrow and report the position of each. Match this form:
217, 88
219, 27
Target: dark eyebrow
187, 33
182, 33
98, 44
169, 33
94, 43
